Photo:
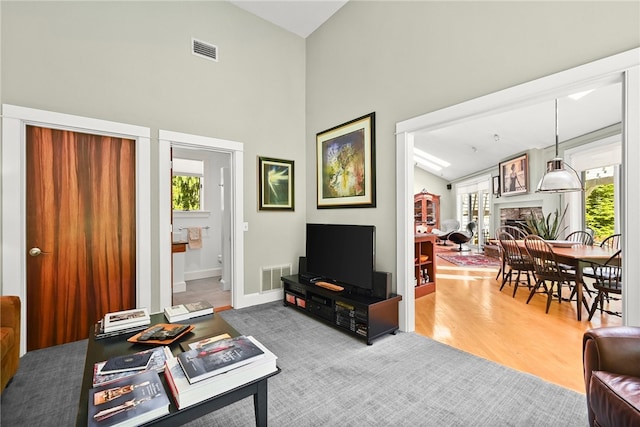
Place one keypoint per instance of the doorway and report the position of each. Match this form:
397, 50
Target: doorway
623, 68
201, 208
14, 206
234, 188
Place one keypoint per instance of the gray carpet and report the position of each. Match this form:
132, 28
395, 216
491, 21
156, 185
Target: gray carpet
329, 378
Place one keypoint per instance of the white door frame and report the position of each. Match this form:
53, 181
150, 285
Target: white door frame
623, 67
166, 140
14, 251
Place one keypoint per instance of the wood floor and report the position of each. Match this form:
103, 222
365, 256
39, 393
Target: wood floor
468, 312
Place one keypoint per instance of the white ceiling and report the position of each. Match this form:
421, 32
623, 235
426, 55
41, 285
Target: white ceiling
299, 17
470, 146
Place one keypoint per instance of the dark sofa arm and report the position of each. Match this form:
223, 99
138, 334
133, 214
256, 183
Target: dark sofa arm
613, 349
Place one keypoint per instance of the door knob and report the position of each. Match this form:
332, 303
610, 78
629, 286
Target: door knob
35, 251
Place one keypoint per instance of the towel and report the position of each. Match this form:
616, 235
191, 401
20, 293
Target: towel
194, 236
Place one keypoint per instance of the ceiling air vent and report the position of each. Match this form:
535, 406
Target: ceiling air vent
204, 50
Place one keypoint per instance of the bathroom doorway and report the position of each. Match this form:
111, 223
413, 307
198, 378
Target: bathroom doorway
201, 224
214, 245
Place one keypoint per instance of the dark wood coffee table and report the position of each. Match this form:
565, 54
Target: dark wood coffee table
205, 326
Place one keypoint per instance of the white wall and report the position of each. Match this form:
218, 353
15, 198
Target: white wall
131, 62
435, 185
406, 59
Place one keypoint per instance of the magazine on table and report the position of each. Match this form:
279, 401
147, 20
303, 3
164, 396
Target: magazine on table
129, 401
160, 355
218, 357
187, 394
126, 319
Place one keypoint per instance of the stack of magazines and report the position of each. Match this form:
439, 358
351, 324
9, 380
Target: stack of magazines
122, 322
211, 367
127, 389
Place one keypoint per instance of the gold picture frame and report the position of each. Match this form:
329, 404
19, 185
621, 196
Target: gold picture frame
345, 165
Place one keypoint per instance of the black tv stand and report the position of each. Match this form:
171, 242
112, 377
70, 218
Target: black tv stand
365, 316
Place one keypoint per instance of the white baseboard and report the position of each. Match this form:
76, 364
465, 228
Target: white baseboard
179, 287
259, 298
202, 274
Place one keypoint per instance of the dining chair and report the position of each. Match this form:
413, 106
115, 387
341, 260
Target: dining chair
608, 282
581, 237
547, 269
517, 233
516, 259
611, 242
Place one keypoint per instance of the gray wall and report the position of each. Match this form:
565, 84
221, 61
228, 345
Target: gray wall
405, 59
131, 62
273, 91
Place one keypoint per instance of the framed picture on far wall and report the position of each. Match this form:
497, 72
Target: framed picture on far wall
345, 156
514, 176
275, 184
496, 185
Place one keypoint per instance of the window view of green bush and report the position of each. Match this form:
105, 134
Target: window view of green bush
186, 193
600, 212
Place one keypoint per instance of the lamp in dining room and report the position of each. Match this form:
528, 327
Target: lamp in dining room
557, 179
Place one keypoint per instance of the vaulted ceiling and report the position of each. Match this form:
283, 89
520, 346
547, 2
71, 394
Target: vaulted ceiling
476, 144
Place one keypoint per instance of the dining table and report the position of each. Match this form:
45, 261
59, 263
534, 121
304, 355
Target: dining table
578, 257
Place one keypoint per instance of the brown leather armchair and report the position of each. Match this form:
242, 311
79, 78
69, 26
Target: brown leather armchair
611, 360
9, 338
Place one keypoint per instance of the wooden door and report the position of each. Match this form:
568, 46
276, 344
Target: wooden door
81, 235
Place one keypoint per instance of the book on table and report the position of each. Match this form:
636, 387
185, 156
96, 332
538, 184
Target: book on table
125, 319
218, 357
127, 362
160, 355
201, 342
186, 394
129, 401
177, 313
99, 333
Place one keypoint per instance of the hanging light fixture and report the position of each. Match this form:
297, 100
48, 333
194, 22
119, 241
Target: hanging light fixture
557, 179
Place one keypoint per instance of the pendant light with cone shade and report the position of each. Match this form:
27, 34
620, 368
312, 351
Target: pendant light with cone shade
557, 179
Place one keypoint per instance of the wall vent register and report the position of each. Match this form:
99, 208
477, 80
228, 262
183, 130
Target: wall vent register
204, 50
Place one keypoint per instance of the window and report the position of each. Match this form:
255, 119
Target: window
599, 165
187, 185
474, 200
600, 201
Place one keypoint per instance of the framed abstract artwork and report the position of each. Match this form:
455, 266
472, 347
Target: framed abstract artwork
275, 184
514, 176
345, 165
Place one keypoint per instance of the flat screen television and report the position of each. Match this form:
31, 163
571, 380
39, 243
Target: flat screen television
342, 254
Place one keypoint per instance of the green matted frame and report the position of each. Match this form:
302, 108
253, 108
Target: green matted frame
275, 184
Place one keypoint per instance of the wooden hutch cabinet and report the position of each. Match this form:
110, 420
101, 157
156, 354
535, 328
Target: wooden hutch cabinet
425, 264
426, 215
426, 211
